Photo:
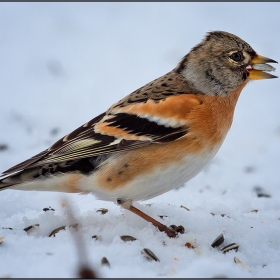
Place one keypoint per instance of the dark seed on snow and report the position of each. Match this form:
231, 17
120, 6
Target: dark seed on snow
149, 255
218, 241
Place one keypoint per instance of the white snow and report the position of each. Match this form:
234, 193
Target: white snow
63, 64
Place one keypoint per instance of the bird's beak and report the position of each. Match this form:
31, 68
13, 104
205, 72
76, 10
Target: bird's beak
259, 66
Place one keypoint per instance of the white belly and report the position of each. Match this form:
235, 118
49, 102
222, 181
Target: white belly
150, 185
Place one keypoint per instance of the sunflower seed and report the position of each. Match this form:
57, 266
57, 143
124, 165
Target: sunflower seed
162, 216
55, 231
48, 209
263, 67
182, 206
149, 255
104, 262
96, 237
102, 210
218, 241
31, 228
232, 246
126, 238
254, 211
7, 228
241, 264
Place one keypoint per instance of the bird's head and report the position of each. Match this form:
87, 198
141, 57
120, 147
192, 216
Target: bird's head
223, 62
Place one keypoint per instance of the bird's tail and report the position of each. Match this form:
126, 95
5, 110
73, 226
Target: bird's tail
33, 179
17, 179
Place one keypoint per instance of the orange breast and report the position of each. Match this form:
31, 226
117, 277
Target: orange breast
208, 119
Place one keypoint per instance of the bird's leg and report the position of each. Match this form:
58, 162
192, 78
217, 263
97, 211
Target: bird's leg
171, 231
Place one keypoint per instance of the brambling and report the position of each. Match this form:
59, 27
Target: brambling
154, 139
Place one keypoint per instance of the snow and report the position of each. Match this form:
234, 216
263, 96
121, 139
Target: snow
64, 63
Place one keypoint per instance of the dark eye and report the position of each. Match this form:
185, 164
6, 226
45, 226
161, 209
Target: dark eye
237, 56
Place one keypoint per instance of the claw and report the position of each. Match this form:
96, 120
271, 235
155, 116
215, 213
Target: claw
172, 231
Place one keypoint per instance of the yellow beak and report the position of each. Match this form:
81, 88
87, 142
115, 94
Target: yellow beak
258, 64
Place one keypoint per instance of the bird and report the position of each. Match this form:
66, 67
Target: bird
156, 138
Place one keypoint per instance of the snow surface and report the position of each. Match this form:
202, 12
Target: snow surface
64, 63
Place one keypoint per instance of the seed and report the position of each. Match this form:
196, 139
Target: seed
104, 262
218, 241
182, 206
2, 239
162, 216
254, 211
7, 228
126, 238
263, 67
149, 255
96, 237
31, 228
48, 209
102, 210
232, 246
241, 264
55, 231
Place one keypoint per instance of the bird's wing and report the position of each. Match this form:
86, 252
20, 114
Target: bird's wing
156, 113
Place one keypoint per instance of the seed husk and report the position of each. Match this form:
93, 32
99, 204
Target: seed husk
162, 216
232, 246
218, 241
7, 228
241, 264
96, 237
254, 211
31, 228
149, 255
103, 211
104, 262
182, 206
126, 238
55, 231
263, 67
48, 209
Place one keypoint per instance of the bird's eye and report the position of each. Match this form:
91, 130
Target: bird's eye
237, 56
